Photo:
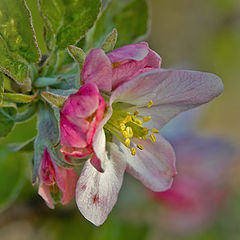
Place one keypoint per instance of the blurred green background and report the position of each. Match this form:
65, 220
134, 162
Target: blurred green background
192, 34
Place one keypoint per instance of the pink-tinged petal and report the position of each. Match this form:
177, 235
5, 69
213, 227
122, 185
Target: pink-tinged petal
99, 146
97, 192
97, 69
83, 103
80, 117
44, 192
73, 135
53, 177
154, 166
99, 139
76, 152
154, 60
47, 171
135, 52
172, 91
96, 163
127, 71
66, 180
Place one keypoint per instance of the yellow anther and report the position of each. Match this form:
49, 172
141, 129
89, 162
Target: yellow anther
153, 138
140, 146
146, 131
150, 104
133, 151
116, 64
128, 118
144, 137
127, 142
125, 134
129, 132
122, 126
138, 121
146, 119
136, 112
154, 130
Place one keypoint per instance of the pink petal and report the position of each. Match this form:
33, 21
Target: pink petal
73, 135
81, 116
97, 192
44, 192
128, 71
98, 69
135, 52
154, 166
171, 91
66, 179
154, 60
76, 152
83, 103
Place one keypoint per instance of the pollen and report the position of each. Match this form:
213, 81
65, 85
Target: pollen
133, 151
140, 146
116, 64
128, 126
129, 132
154, 130
150, 104
153, 138
146, 119
127, 142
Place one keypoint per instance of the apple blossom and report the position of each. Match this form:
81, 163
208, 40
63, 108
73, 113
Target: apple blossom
140, 98
201, 186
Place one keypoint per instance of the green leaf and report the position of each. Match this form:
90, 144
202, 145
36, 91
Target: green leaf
55, 100
77, 54
110, 41
69, 20
23, 147
130, 18
12, 176
7, 122
18, 45
18, 97
1, 88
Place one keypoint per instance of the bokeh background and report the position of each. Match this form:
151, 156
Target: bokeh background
188, 34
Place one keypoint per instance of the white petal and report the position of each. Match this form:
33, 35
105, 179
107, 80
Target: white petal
172, 91
155, 165
97, 192
99, 139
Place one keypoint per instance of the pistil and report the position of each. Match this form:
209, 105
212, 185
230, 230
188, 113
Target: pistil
127, 127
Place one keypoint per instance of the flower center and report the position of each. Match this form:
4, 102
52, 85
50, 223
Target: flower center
127, 127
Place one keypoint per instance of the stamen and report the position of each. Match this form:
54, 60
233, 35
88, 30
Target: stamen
125, 134
154, 130
146, 119
122, 126
127, 142
136, 112
133, 151
129, 126
138, 121
140, 146
129, 132
150, 104
116, 64
128, 118
153, 138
